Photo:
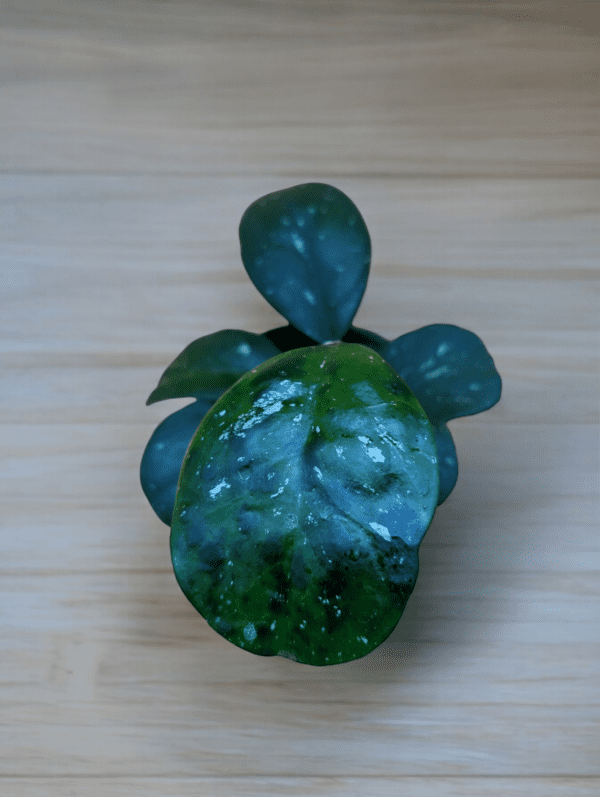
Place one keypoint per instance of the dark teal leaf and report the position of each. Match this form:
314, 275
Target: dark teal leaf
448, 369
163, 456
211, 364
307, 250
302, 500
365, 338
288, 338
447, 461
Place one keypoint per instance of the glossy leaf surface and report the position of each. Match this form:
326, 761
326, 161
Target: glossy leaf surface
211, 364
303, 497
308, 251
448, 369
163, 456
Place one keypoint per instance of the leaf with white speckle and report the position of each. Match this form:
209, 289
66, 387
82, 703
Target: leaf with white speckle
307, 250
452, 374
275, 535
211, 364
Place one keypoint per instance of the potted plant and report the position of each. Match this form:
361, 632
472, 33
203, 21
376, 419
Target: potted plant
300, 482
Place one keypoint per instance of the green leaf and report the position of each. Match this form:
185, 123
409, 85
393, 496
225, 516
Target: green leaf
211, 364
448, 369
452, 374
163, 456
307, 250
447, 460
302, 500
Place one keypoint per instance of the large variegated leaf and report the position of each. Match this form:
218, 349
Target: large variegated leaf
303, 498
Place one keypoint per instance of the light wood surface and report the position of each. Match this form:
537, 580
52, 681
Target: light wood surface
133, 135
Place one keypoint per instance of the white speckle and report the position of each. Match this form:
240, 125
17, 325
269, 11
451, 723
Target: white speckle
241, 459
216, 490
160, 446
250, 632
443, 369
381, 530
318, 472
298, 417
474, 386
339, 451
273, 625
442, 349
318, 428
375, 454
267, 404
222, 412
277, 493
268, 409
310, 297
270, 476
323, 629
363, 439
298, 242
243, 348
363, 639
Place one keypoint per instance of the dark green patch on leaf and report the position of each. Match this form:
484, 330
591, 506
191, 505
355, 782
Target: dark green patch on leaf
288, 338
303, 498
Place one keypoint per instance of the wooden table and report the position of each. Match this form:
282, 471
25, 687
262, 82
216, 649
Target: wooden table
133, 136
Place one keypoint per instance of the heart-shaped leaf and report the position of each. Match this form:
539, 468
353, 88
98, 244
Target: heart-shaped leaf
211, 364
307, 250
302, 500
448, 369
164, 454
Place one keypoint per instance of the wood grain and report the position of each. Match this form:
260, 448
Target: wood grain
133, 135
